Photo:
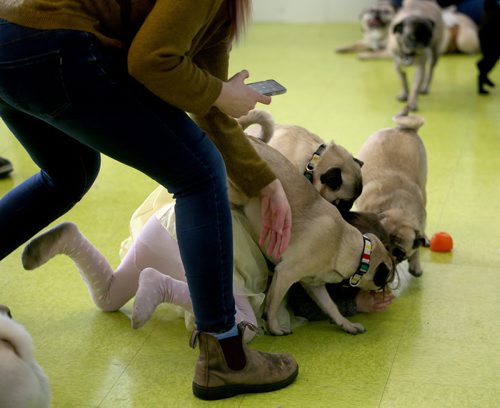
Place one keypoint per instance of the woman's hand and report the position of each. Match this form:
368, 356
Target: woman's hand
371, 301
237, 99
276, 219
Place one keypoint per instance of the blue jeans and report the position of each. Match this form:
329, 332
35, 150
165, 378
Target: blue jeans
67, 99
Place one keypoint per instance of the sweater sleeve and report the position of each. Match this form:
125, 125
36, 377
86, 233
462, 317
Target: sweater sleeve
160, 56
244, 166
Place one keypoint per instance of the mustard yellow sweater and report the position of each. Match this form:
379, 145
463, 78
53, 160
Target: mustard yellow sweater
179, 50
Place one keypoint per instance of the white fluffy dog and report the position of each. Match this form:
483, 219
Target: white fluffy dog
23, 383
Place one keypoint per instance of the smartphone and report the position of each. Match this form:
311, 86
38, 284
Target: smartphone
269, 87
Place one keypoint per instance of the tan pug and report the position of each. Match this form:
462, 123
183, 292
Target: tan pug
323, 247
395, 176
332, 170
415, 39
375, 21
23, 383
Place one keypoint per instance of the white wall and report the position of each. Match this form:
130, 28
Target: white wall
308, 11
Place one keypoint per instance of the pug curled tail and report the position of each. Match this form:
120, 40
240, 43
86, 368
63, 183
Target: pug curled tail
258, 117
408, 122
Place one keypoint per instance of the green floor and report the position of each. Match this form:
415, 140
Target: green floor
436, 346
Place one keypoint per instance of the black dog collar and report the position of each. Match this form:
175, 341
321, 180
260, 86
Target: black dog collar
308, 173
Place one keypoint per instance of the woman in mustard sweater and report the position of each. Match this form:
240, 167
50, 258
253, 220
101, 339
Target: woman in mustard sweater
84, 77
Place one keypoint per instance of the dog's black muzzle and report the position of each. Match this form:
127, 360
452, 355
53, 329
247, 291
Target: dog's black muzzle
344, 206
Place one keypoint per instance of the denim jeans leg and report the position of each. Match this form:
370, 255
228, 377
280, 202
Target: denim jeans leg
102, 108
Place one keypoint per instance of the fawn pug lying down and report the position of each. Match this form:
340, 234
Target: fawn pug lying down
323, 247
332, 170
375, 21
23, 384
395, 175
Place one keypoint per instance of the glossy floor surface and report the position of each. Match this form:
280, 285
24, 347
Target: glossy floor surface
438, 345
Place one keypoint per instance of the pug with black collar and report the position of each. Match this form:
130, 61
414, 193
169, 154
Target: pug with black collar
331, 169
415, 39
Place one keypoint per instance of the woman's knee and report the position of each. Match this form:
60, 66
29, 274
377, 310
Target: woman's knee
73, 180
206, 172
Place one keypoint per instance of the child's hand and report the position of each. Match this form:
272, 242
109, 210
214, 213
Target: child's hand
371, 301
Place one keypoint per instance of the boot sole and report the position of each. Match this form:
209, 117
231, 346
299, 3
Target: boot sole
227, 391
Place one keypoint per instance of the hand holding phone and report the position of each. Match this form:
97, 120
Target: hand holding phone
268, 87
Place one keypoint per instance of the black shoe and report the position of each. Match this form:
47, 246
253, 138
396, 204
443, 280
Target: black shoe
5, 167
487, 81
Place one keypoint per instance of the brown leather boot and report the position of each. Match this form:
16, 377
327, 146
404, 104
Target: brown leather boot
227, 368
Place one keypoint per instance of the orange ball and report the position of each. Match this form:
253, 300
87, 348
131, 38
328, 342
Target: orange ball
441, 242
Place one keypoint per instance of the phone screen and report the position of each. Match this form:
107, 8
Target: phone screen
269, 87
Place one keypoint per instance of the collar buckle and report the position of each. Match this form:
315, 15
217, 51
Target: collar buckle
311, 164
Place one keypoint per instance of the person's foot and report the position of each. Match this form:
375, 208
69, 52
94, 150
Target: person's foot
488, 81
149, 295
227, 367
483, 80
5, 167
45, 246
155, 288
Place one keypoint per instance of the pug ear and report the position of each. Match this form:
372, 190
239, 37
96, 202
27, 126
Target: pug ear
6, 311
398, 28
431, 23
332, 178
360, 162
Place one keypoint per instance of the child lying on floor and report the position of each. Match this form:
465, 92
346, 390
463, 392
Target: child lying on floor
152, 271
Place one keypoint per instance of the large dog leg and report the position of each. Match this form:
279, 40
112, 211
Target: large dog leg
403, 96
417, 85
320, 295
433, 61
275, 295
356, 47
415, 267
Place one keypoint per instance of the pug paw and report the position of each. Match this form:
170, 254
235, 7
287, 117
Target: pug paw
352, 328
276, 329
416, 272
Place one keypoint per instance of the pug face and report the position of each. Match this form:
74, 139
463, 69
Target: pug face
337, 177
404, 238
377, 16
414, 34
